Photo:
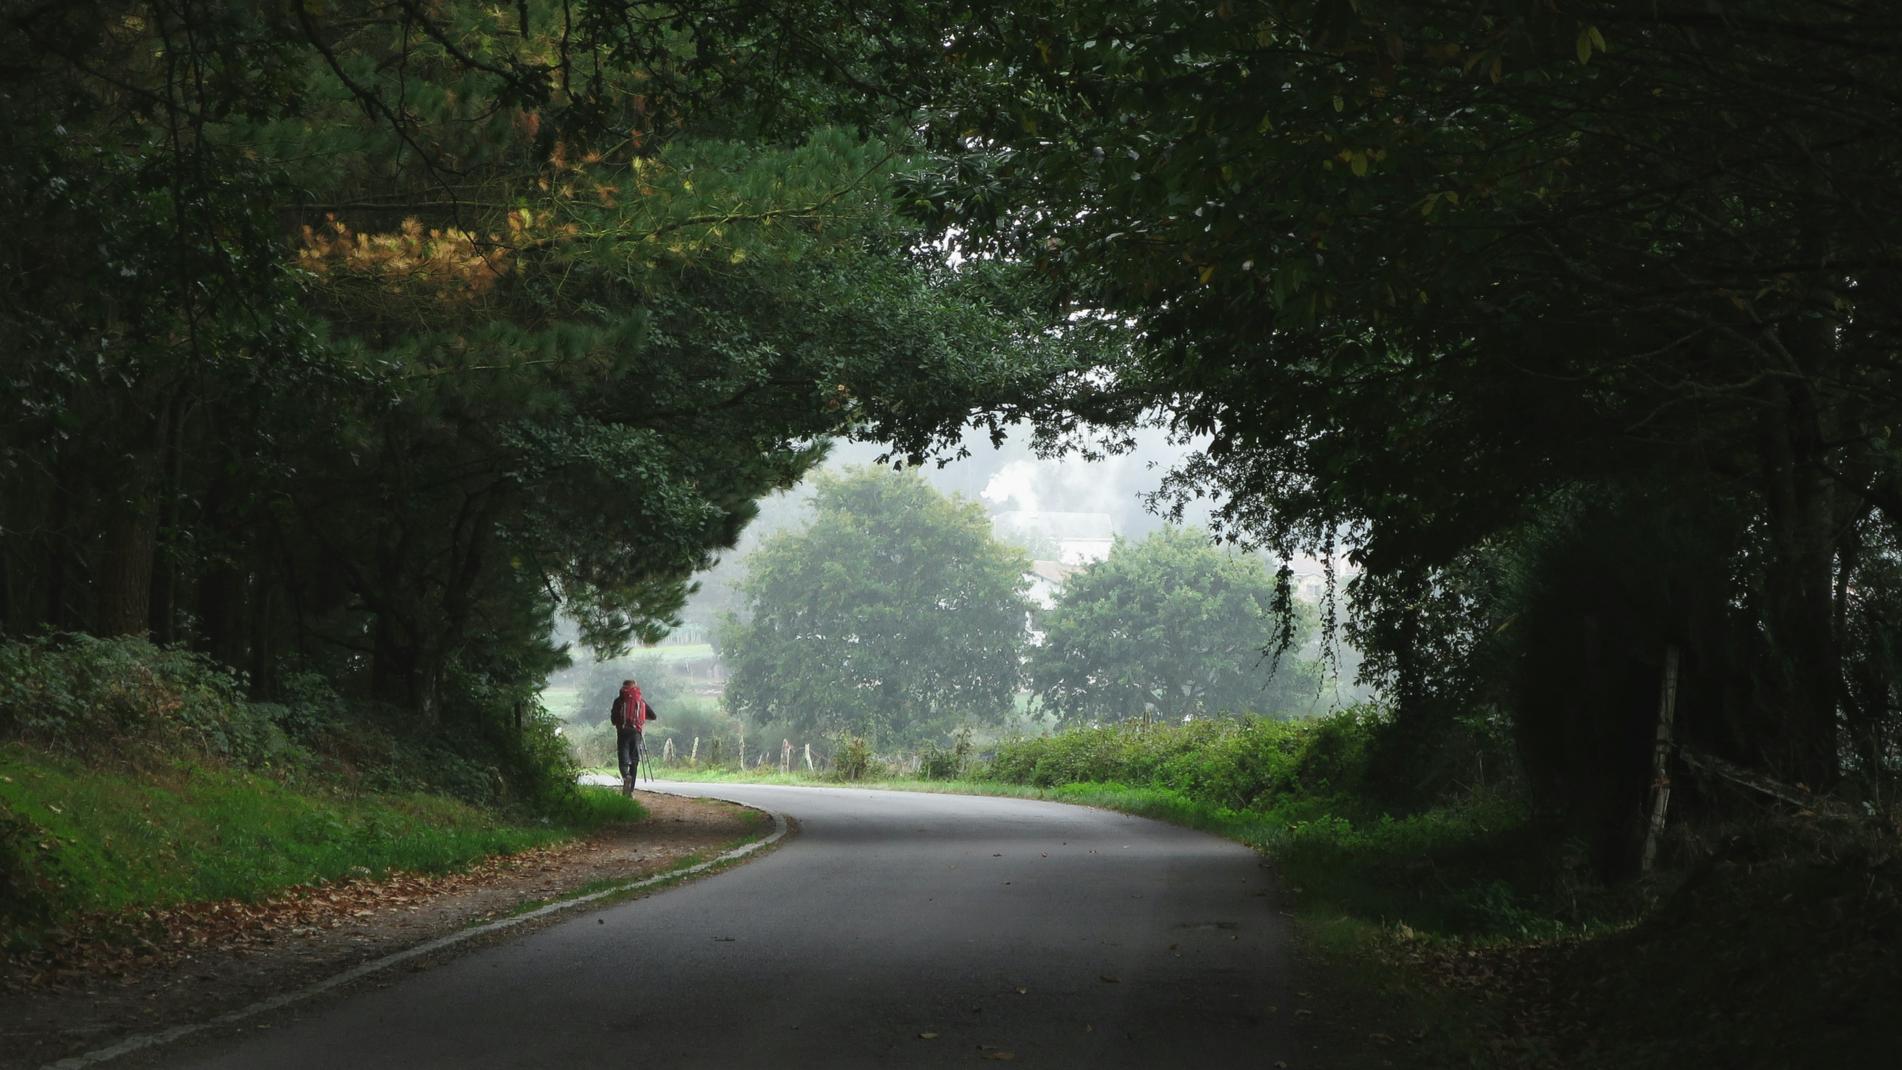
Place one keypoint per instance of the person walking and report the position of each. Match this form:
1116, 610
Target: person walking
629, 716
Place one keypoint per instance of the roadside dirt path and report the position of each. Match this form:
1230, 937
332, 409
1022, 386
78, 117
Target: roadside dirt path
150, 970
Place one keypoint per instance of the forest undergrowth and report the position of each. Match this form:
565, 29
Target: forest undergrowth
135, 777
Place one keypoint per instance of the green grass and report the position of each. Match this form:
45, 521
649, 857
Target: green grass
80, 840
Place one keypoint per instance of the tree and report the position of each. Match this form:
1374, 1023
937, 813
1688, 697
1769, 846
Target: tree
419, 319
1429, 275
1169, 626
894, 615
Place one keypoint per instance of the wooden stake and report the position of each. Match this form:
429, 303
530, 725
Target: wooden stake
1661, 760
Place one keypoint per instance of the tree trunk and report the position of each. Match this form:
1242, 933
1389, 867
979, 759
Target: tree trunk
1662, 746
220, 606
1804, 666
59, 553
8, 621
123, 580
262, 608
405, 673
390, 663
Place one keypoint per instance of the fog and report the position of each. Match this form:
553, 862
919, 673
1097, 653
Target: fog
1001, 478
1007, 477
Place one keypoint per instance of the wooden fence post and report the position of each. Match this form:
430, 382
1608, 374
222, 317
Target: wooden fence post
808, 757
1661, 760
694, 758
785, 755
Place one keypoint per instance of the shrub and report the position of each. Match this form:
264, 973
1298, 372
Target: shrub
117, 699
854, 760
127, 703
1251, 763
937, 763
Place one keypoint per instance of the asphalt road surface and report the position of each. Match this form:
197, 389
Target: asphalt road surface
895, 929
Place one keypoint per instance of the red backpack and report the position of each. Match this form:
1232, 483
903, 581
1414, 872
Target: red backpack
629, 699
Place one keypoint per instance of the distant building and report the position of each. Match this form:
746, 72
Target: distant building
1047, 579
1310, 587
1076, 538
1311, 578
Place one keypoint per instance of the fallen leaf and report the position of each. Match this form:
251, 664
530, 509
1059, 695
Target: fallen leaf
1107, 979
927, 1036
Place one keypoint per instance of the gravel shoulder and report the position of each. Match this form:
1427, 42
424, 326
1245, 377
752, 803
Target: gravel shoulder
162, 968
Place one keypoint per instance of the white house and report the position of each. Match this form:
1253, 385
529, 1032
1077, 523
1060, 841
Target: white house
1047, 579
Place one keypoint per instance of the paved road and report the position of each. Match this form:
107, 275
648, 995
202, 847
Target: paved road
1060, 935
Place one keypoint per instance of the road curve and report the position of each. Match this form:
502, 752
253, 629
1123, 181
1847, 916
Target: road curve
896, 929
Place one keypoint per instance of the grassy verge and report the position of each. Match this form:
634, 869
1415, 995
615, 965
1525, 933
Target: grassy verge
134, 776
77, 840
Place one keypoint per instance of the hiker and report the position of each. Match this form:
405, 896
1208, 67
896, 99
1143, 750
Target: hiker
629, 716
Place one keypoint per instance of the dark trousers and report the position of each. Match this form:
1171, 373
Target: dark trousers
627, 745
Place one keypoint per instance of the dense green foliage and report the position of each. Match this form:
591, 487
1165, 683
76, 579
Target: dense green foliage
1253, 763
124, 704
895, 615
1168, 627
1474, 291
417, 328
